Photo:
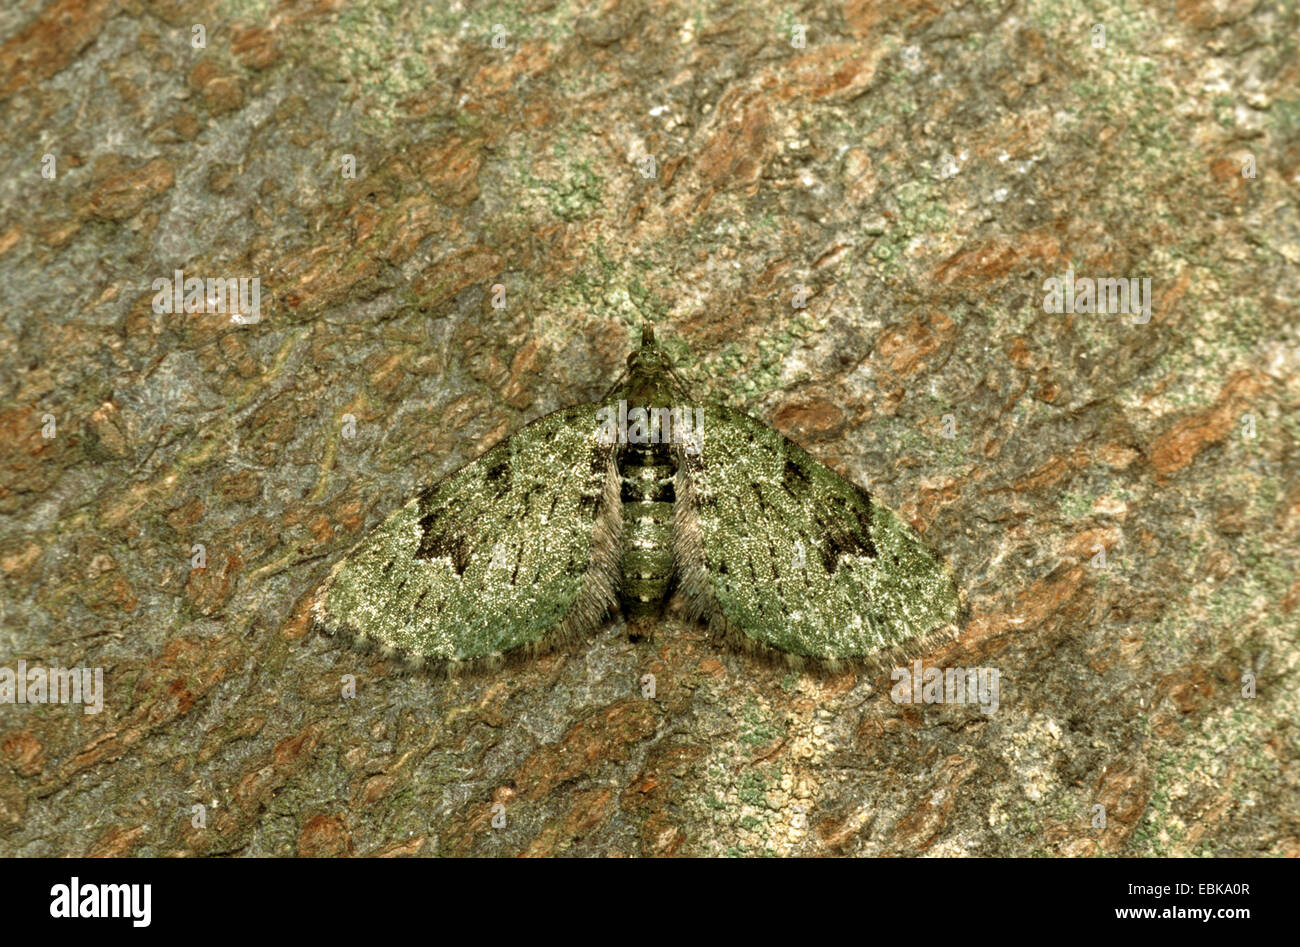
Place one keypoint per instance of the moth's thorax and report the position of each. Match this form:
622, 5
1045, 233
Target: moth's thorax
649, 381
647, 470
646, 475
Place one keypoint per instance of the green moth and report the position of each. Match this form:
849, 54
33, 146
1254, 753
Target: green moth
604, 508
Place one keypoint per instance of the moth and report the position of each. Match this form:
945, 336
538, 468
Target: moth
614, 507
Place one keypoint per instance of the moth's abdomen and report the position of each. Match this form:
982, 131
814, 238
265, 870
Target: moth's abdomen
647, 487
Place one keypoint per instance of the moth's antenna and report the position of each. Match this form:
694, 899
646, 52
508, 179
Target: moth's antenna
622, 380
647, 335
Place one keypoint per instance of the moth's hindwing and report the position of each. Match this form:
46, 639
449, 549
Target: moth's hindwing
514, 553
781, 554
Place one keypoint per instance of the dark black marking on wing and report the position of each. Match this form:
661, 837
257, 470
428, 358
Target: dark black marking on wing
838, 539
441, 540
498, 476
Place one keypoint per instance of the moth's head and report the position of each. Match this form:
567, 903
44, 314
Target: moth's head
649, 357
650, 374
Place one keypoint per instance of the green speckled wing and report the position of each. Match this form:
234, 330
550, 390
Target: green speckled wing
781, 554
516, 552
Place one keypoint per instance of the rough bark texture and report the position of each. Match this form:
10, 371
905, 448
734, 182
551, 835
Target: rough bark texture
920, 168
